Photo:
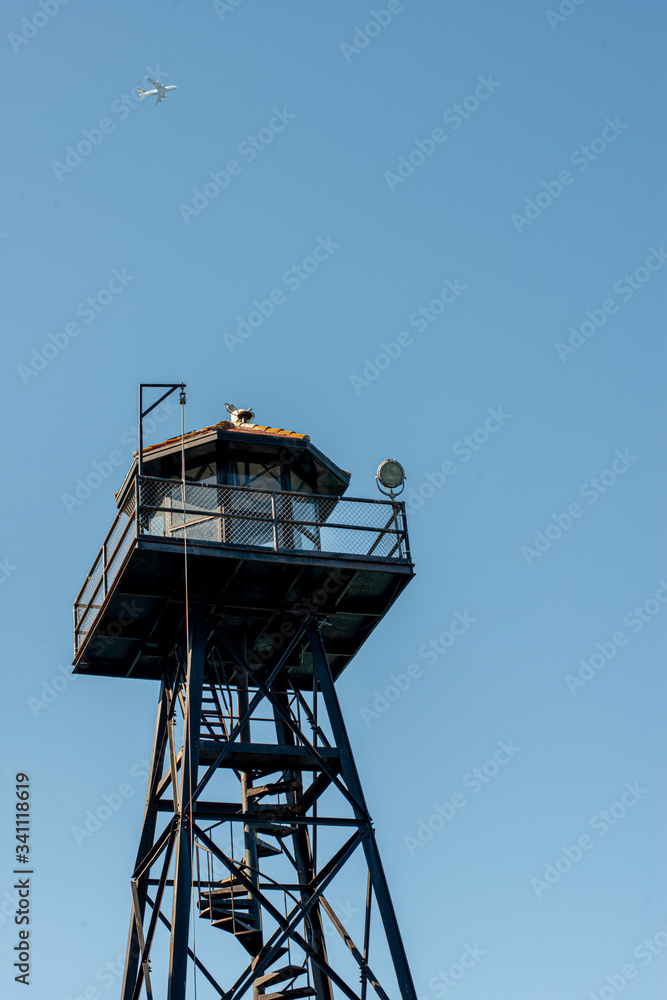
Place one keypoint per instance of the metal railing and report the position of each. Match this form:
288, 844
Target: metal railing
240, 516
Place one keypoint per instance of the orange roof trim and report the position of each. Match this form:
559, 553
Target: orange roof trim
227, 425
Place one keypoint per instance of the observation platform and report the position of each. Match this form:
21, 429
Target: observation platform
256, 560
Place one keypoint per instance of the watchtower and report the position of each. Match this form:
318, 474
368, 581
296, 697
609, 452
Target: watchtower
239, 576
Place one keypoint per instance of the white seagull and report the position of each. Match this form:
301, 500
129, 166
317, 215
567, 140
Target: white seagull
239, 416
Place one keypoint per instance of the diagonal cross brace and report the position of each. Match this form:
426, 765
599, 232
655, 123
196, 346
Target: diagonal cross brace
356, 954
146, 947
357, 804
299, 912
138, 922
200, 965
349, 769
253, 704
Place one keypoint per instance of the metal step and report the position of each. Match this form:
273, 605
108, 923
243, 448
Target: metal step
224, 902
275, 831
235, 924
225, 891
231, 902
273, 788
218, 911
265, 951
279, 975
227, 887
252, 941
302, 991
265, 850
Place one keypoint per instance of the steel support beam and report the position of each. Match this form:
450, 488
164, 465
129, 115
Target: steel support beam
333, 766
354, 951
303, 855
146, 842
178, 952
349, 770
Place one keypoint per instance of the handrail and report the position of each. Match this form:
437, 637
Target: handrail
243, 516
100, 553
103, 577
285, 493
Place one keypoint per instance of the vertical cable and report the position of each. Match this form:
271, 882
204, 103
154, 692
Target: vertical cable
185, 540
187, 646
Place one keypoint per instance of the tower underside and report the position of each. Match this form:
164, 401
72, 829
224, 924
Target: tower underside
254, 807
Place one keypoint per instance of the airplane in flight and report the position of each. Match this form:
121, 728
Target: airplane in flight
160, 90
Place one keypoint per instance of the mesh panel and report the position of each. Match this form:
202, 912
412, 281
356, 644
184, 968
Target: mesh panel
272, 519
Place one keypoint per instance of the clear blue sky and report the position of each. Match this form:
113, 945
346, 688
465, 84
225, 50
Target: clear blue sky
540, 201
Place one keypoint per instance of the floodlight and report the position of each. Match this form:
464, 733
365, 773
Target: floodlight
391, 476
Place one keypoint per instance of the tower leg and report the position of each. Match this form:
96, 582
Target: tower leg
304, 857
178, 954
146, 841
349, 770
249, 836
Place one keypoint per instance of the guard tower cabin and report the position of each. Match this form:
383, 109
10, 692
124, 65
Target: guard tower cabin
269, 534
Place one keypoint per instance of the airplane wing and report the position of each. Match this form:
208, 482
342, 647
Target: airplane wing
154, 82
158, 99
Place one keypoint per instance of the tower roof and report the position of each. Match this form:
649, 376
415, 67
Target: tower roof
227, 425
243, 440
